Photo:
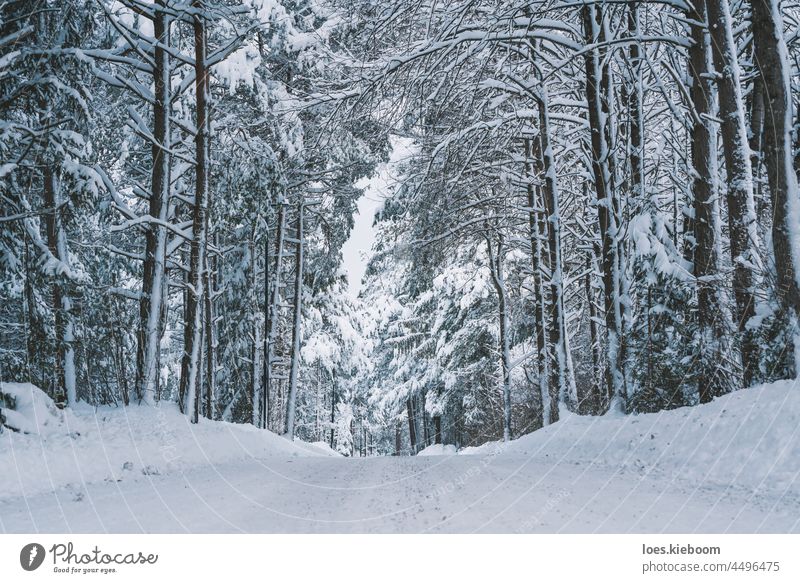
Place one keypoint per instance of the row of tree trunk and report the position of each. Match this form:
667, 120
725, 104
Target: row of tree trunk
197, 377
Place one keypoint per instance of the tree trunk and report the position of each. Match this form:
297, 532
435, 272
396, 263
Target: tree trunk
333, 406
772, 61
412, 432
211, 341
424, 415
255, 345
189, 385
496, 268
598, 94
419, 425
561, 379
755, 105
274, 307
597, 401
153, 279
741, 210
398, 437
265, 362
66, 392
532, 169
702, 250
634, 103
296, 332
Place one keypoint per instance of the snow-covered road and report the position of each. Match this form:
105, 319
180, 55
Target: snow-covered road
479, 493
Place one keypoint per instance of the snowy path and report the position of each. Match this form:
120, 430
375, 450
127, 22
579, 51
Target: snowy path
481, 493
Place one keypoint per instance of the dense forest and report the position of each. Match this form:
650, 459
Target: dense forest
597, 209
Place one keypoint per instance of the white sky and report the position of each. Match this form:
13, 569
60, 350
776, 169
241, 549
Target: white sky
356, 250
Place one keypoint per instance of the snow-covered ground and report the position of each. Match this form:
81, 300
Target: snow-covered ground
730, 466
439, 449
748, 440
72, 448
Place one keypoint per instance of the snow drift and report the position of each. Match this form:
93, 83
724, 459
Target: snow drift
27, 409
748, 439
438, 449
43, 448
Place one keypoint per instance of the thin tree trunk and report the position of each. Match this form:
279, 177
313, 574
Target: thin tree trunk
419, 413
412, 432
62, 304
254, 391
561, 379
333, 406
30, 321
496, 268
597, 401
398, 437
153, 279
755, 105
265, 362
294, 369
425, 424
532, 169
634, 103
189, 385
211, 342
274, 308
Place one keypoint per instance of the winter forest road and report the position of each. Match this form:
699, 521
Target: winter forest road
462, 494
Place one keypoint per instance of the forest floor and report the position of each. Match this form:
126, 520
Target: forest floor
730, 466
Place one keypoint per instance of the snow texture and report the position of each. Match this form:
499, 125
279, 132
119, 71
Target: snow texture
108, 444
729, 466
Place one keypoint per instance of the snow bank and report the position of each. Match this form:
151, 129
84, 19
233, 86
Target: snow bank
749, 439
318, 447
28, 409
86, 444
439, 449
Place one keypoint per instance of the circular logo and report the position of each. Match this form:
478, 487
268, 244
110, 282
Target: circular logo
31, 556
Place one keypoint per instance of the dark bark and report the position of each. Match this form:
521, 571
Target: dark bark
496, 268
151, 309
535, 229
294, 369
755, 105
741, 212
634, 103
265, 362
703, 248
412, 432
189, 382
398, 437
598, 97
273, 311
210, 337
770, 56
333, 406
596, 399
52, 223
